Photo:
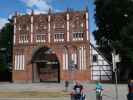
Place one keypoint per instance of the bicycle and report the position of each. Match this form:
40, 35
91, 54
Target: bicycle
99, 94
78, 97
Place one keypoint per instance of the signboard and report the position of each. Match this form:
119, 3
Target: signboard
115, 59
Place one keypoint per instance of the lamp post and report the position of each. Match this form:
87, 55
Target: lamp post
115, 59
115, 71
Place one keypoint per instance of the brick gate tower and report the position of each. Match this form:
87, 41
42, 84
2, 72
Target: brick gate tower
51, 47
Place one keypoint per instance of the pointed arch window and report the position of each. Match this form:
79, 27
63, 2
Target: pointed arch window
65, 59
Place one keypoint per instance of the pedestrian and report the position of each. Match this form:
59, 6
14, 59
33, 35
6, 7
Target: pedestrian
130, 90
66, 85
99, 90
78, 91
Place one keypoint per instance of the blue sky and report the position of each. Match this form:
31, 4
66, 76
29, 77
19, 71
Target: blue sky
8, 7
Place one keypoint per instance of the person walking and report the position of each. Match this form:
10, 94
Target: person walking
130, 90
66, 85
78, 92
99, 90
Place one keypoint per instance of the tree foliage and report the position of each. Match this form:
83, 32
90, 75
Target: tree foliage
114, 19
6, 39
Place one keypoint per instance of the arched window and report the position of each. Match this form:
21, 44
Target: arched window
65, 59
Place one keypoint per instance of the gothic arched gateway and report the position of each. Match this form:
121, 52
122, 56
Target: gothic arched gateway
45, 66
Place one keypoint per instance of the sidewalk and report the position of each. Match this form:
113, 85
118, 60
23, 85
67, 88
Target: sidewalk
108, 94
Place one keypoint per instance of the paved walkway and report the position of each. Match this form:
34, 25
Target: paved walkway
31, 87
109, 90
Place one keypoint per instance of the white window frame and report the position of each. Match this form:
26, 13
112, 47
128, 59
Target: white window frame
19, 62
59, 37
23, 38
78, 37
40, 38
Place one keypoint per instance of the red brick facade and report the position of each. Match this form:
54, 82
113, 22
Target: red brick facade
65, 33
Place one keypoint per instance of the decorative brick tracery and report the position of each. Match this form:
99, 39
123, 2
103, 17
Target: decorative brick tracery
64, 33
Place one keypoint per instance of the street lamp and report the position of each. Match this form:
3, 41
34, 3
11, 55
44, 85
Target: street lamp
115, 59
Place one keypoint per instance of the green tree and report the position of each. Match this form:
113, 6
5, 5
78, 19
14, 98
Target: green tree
6, 40
114, 19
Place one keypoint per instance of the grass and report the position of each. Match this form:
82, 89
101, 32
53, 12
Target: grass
32, 94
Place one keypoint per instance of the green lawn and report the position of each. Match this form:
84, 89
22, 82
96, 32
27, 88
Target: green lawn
32, 94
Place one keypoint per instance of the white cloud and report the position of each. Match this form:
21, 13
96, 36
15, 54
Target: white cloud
36, 11
92, 40
2, 22
38, 5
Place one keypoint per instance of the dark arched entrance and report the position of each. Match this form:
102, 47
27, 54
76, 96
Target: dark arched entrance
45, 66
